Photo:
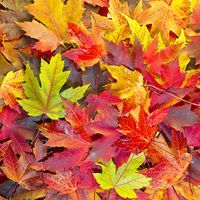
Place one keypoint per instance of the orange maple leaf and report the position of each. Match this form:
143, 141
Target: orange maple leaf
11, 88
163, 17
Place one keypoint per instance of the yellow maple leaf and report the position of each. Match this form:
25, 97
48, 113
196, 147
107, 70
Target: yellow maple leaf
116, 35
73, 11
11, 88
54, 15
141, 32
115, 25
163, 17
129, 85
115, 10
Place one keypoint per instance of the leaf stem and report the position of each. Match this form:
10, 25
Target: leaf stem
171, 94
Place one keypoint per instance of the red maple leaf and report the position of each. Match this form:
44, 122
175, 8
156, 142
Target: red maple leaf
61, 134
109, 136
103, 104
118, 55
68, 159
157, 60
180, 116
88, 52
78, 118
137, 136
10, 129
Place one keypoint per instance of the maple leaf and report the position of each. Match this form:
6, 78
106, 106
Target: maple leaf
180, 116
168, 98
11, 88
62, 182
8, 117
112, 57
10, 129
60, 134
164, 18
10, 52
129, 85
137, 136
103, 22
103, 104
18, 170
68, 159
158, 59
78, 118
172, 162
73, 11
109, 136
157, 116
84, 176
45, 99
113, 29
141, 32
54, 15
115, 10
47, 40
89, 51
171, 76
125, 178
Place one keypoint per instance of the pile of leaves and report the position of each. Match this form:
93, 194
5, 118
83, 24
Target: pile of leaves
99, 99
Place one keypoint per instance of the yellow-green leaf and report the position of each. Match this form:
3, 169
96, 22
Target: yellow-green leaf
45, 98
125, 179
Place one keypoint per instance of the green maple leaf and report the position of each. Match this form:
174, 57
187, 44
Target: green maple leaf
125, 179
45, 98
